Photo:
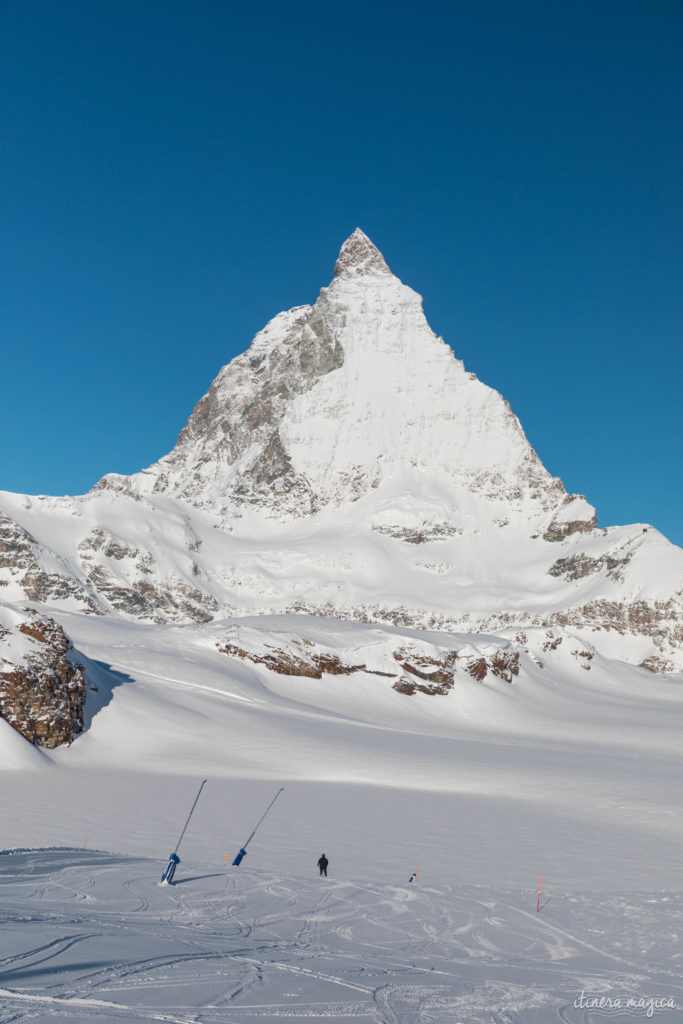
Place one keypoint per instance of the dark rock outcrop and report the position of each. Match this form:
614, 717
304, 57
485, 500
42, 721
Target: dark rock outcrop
419, 672
42, 694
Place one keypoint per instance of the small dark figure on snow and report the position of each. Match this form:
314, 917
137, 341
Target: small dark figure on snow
413, 877
322, 864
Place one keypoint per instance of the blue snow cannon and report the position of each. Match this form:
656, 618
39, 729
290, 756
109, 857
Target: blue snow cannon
174, 859
173, 862
243, 850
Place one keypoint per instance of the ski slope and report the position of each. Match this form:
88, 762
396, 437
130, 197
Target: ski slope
575, 775
90, 936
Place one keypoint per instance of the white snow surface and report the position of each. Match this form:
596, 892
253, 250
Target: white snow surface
16, 645
90, 936
475, 571
484, 789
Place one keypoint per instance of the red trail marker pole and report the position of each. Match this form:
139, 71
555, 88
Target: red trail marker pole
85, 842
538, 901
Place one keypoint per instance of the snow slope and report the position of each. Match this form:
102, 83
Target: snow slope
573, 774
92, 937
577, 774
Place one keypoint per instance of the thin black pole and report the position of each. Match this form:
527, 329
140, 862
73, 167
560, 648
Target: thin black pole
190, 815
263, 816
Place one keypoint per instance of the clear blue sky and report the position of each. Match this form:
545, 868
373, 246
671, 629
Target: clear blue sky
175, 173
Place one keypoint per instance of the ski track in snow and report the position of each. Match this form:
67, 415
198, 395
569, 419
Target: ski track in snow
92, 936
156, 677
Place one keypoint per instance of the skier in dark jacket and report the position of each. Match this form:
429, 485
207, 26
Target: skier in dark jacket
322, 864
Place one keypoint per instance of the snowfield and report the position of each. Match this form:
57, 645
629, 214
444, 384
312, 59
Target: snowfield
483, 788
91, 936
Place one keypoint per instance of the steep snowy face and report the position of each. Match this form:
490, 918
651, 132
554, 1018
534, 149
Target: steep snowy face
333, 400
401, 401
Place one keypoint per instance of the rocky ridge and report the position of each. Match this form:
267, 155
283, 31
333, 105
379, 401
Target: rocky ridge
412, 665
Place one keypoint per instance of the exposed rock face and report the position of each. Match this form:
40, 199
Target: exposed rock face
440, 673
42, 691
358, 256
284, 662
413, 666
420, 535
558, 531
574, 515
16, 549
19, 559
231, 447
310, 664
656, 664
575, 567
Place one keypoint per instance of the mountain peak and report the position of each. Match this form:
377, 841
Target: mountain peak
358, 255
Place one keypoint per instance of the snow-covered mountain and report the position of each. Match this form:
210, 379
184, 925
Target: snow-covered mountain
348, 465
335, 400
351, 578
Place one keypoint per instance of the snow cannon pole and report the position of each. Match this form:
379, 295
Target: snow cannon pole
243, 851
280, 790
174, 859
189, 816
538, 901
